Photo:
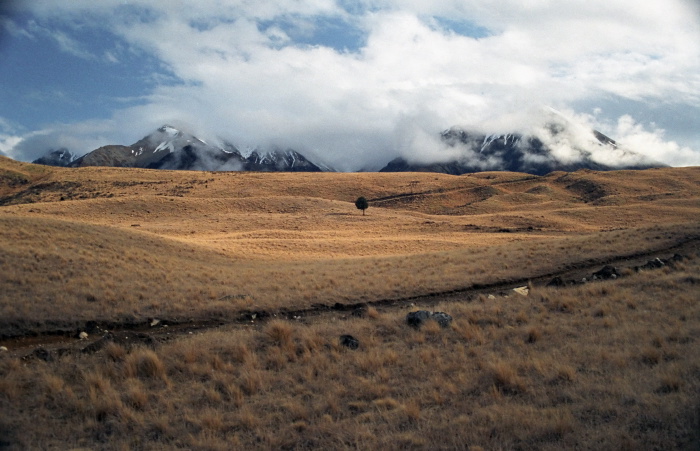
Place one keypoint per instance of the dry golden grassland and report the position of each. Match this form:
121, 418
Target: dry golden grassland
603, 365
127, 245
606, 365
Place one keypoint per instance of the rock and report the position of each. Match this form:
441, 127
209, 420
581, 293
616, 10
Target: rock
442, 318
349, 342
3, 349
653, 264
83, 335
556, 282
154, 322
523, 291
490, 296
360, 312
91, 327
417, 318
608, 272
41, 354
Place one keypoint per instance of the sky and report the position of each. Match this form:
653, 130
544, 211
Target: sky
352, 84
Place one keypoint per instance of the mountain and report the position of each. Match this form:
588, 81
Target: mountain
558, 146
60, 157
170, 148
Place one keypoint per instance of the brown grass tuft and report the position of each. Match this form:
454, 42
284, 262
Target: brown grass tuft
373, 313
533, 335
651, 355
280, 332
506, 379
115, 352
144, 364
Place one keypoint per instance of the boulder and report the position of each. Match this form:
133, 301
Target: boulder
442, 318
417, 318
41, 354
653, 264
608, 272
349, 341
556, 282
676, 258
523, 291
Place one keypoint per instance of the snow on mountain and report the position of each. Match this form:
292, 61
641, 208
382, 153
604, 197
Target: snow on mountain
60, 157
557, 145
170, 148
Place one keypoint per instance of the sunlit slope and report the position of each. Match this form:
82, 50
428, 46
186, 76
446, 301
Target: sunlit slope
425, 192
106, 243
16, 176
226, 206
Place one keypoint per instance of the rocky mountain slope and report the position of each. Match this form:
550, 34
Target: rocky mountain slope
60, 157
170, 148
557, 145
554, 147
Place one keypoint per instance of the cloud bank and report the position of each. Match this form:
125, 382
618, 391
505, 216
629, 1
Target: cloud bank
355, 84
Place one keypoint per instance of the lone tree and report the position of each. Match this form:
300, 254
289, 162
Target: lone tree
361, 204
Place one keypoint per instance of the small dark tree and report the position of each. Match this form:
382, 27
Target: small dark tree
361, 204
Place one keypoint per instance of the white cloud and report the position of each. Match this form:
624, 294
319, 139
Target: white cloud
64, 41
652, 143
410, 80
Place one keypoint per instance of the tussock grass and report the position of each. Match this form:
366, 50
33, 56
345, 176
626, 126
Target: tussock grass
582, 383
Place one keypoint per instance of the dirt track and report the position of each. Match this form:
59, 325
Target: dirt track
61, 340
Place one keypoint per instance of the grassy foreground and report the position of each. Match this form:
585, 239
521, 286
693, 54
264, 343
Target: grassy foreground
606, 365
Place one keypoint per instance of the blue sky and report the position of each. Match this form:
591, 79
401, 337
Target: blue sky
351, 83
43, 79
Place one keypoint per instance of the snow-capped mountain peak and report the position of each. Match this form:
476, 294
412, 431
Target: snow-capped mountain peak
557, 144
60, 157
170, 148
169, 130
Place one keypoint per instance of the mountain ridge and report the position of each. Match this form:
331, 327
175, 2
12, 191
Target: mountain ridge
557, 146
525, 152
170, 148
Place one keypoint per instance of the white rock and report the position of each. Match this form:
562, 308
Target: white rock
492, 296
3, 349
83, 335
522, 290
155, 322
